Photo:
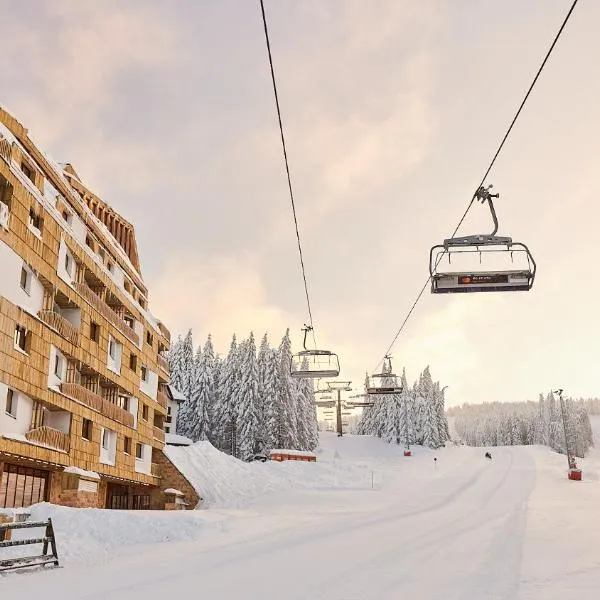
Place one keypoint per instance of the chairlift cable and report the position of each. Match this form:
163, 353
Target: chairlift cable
287, 168
487, 172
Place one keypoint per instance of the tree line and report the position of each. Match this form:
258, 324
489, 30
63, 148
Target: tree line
527, 423
414, 416
245, 403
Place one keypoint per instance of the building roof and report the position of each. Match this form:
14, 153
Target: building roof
176, 394
174, 439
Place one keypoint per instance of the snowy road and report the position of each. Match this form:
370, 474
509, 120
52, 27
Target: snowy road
458, 532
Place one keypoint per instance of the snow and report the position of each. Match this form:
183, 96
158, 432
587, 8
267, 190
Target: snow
177, 395
176, 439
361, 522
174, 491
82, 472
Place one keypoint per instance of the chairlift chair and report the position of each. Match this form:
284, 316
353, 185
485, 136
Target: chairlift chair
385, 382
314, 364
481, 280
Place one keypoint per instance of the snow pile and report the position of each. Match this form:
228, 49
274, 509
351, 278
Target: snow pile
91, 535
226, 482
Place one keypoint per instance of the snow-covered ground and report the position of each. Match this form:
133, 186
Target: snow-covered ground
362, 522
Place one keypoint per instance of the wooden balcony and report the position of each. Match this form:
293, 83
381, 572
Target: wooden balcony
107, 312
93, 400
162, 398
50, 437
156, 471
164, 331
5, 149
158, 433
163, 363
61, 325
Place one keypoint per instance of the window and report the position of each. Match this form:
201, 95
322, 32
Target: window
129, 320
86, 430
167, 429
145, 412
138, 450
35, 220
25, 280
101, 253
133, 362
112, 349
22, 338
127, 445
89, 242
149, 338
58, 366
105, 439
11, 404
68, 264
27, 170
94, 331
67, 216
123, 402
144, 374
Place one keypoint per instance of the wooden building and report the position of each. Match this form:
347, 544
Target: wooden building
82, 369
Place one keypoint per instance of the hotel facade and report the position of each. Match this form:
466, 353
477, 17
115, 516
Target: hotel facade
83, 373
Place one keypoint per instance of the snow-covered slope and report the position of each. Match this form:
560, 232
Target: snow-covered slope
459, 527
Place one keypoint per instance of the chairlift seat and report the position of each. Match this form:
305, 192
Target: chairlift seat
314, 364
484, 280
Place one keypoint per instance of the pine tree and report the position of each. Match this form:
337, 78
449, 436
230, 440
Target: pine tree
247, 401
288, 434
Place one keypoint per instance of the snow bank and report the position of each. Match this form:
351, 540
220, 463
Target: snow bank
226, 482
87, 536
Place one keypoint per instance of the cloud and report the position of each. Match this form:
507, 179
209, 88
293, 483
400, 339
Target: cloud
217, 295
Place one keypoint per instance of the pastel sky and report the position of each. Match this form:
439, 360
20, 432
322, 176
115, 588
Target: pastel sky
392, 111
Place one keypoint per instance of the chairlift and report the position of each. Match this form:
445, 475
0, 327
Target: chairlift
482, 280
385, 382
314, 364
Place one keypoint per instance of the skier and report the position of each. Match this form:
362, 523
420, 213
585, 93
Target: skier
488, 456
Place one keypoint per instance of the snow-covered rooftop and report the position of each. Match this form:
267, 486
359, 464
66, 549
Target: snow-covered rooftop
82, 472
177, 395
175, 439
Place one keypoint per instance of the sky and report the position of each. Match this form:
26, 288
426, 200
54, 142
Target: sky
392, 111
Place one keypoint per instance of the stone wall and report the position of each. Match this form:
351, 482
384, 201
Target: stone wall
172, 478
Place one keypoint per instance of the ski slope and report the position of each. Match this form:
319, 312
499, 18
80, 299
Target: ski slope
363, 522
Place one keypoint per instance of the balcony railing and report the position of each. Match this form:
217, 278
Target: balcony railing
162, 398
107, 312
163, 363
60, 324
5, 149
93, 400
50, 437
158, 433
164, 331
156, 471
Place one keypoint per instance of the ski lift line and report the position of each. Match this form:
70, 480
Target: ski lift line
487, 172
287, 169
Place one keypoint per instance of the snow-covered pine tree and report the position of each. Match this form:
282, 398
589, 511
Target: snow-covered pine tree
273, 407
225, 418
285, 391
187, 362
430, 422
192, 410
247, 400
175, 359
208, 393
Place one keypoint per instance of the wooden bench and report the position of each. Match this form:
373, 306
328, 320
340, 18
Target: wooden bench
48, 541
